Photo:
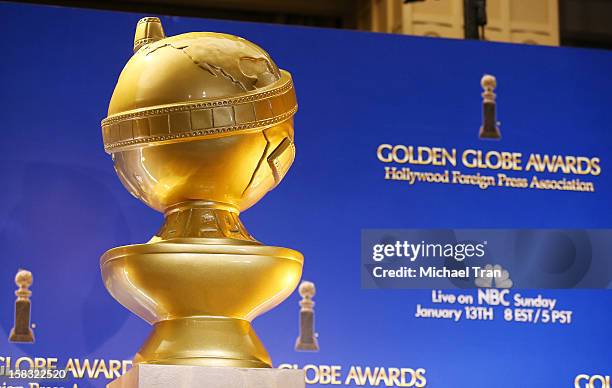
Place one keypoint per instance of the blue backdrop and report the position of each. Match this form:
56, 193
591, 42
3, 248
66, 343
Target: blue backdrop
61, 205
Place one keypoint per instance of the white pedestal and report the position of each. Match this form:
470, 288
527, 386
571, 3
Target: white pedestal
174, 376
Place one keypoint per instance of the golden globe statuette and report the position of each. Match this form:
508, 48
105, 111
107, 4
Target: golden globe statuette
200, 128
307, 340
489, 128
21, 331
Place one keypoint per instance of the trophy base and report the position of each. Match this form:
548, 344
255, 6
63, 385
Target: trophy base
204, 341
163, 376
16, 337
488, 133
306, 346
200, 298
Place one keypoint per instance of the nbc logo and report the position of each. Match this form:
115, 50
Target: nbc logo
489, 281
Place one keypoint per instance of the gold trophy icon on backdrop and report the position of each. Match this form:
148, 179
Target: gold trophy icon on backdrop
200, 128
307, 340
489, 128
22, 330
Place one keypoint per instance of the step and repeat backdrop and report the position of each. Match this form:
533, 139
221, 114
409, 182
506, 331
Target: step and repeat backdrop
437, 257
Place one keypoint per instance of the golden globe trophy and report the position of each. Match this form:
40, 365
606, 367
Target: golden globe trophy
200, 128
22, 329
489, 128
307, 340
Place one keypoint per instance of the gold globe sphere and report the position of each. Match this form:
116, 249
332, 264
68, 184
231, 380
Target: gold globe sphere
23, 278
196, 116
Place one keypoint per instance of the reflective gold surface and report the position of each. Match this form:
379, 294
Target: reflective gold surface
200, 127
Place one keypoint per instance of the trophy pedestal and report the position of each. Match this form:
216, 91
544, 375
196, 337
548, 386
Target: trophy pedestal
186, 376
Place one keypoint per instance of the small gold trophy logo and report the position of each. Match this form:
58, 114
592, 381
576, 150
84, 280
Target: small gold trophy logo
22, 332
489, 129
307, 341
